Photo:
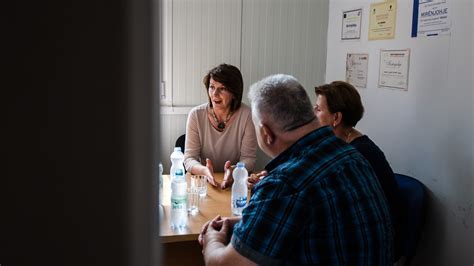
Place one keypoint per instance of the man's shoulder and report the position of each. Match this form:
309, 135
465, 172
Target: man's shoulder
273, 181
320, 161
323, 152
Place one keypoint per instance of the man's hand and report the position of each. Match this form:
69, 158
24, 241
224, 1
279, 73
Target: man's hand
217, 223
215, 231
214, 239
255, 178
206, 226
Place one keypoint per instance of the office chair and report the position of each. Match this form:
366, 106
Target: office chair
413, 196
180, 142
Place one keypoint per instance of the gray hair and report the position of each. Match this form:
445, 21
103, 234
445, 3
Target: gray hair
283, 100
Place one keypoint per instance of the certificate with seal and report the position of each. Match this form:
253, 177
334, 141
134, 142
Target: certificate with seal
382, 20
351, 21
356, 69
394, 67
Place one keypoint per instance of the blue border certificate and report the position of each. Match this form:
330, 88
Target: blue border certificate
430, 18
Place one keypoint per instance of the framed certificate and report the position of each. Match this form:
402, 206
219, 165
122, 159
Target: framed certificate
382, 20
356, 69
351, 22
431, 18
394, 68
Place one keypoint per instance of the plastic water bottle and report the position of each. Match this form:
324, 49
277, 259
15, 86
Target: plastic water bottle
177, 160
179, 200
160, 183
239, 189
160, 190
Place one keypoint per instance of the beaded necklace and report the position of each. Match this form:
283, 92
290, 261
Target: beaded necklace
221, 125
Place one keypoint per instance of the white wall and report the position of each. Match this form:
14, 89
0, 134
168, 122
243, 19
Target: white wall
285, 36
262, 37
426, 132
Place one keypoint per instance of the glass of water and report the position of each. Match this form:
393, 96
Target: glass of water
200, 182
193, 200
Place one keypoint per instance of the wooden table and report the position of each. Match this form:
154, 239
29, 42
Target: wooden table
181, 247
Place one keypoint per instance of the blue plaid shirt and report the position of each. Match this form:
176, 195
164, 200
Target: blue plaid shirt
319, 204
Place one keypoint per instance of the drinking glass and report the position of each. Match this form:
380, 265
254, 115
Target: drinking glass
200, 182
193, 200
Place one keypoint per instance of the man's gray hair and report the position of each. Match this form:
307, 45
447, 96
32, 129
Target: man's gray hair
282, 100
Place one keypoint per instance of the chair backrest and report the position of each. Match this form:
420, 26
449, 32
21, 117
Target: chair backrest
180, 142
413, 194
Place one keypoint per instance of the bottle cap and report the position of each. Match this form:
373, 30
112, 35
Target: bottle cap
240, 164
177, 149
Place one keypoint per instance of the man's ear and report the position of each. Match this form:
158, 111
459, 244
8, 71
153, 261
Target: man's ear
337, 119
267, 134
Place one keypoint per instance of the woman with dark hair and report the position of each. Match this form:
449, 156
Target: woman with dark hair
220, 133
338, 105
